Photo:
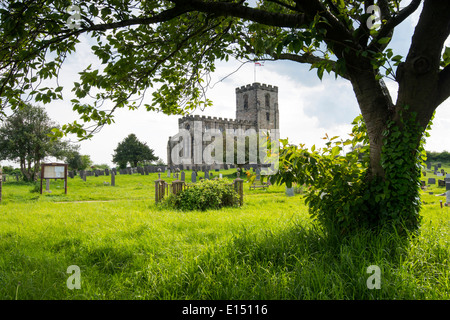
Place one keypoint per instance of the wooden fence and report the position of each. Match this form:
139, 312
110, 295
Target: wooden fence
162, 188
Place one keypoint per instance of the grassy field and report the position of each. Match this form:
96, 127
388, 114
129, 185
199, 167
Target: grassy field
128, 248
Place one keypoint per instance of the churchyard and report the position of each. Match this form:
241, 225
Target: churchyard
128, 247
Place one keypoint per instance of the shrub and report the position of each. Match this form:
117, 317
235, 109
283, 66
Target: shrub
207, 194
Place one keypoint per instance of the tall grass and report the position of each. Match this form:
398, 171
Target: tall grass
129, 248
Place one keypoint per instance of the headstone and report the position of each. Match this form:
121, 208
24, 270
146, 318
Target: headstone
422, 183
194, 177
448, 197
290, 191
429, 166
424, 173
431, 181
258, 174
439, 174
113, 179
168, 173
220, 176
441, 183
207, 175
443, 171
183, 176
439, 165
435, 168
96, 173
107, 172
84, 176
447, 186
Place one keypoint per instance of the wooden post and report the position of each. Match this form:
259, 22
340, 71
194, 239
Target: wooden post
160, 186
239, 187
177, 185
1, 183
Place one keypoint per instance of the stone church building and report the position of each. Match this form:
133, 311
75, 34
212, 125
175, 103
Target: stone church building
256, 108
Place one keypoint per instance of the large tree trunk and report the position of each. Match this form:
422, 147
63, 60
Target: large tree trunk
376, 108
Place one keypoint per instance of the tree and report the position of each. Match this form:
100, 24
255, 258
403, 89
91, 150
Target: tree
24, 137
132, 151
174, 43
77, 161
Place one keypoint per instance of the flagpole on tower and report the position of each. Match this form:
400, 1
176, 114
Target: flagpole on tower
254, 70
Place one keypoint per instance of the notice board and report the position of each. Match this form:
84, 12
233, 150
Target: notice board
54, 171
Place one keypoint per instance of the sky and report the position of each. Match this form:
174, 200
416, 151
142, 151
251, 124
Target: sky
309, 108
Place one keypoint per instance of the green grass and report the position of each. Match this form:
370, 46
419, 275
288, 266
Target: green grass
129, 248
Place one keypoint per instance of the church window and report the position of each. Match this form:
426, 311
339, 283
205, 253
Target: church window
245, 102
267, 116
267, 100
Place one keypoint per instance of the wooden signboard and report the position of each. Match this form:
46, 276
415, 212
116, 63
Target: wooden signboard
54, 171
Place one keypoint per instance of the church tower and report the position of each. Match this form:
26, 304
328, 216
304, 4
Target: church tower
258, 103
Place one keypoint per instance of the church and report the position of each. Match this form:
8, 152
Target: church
256, 111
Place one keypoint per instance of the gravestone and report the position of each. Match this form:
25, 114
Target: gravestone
96, 173
435, 168
447, 186
442, 171
439, 165
422, 183
107, 172
439, 174
47, 186
71, 175
207, 175
182, 176
194, 177
84, 176
429, 166
424, 173
441, 183
168, 173
113, 179
220, 176
431, 181
258, 174
448, 197
290, 191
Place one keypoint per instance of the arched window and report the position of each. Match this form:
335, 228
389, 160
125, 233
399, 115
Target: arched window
245, 101
267, 100
267, 116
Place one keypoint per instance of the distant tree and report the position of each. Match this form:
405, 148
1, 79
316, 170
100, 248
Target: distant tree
132, 151
443, 156
77, 161
24, 137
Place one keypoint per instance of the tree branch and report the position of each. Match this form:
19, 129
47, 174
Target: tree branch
394, 21
239, 11
309, 59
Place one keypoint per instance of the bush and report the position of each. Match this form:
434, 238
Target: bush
207, 194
